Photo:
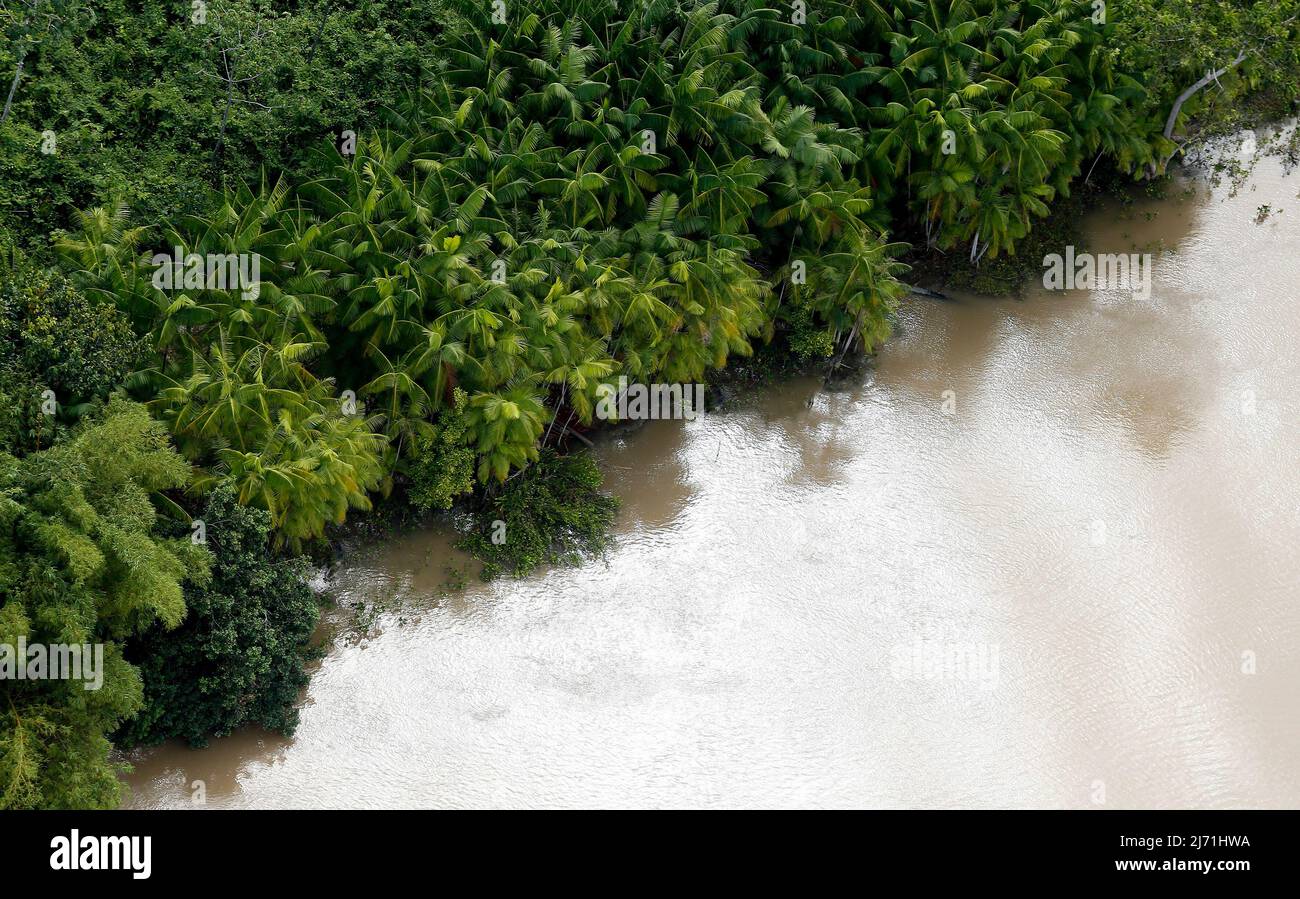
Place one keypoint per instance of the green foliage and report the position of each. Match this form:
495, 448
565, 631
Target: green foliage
53, 336
81, 562
590, 190
442, 466
1173, 43
136, 106
553, 513
238, 657
583, 193
808, 339
24, 426
261, 421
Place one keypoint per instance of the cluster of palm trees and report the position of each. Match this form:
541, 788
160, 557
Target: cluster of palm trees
596, 188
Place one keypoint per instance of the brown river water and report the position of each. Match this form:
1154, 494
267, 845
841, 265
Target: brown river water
1086, 503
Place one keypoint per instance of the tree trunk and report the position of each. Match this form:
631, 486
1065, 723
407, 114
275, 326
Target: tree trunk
22, 60
325, 13
923, 292
1191, 91
1094, 165
848, 344
573, 433
13, 87
225, 117
558, 406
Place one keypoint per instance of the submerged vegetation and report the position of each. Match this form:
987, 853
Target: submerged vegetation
272, 264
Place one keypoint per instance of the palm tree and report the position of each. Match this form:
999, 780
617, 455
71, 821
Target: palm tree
510, 231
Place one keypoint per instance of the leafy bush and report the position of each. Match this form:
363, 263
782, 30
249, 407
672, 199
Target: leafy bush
442, 466
807, 338
238, 657
55, 337
283, 438
553, 513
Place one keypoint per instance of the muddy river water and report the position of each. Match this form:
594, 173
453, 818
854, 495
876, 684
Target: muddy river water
1043, 554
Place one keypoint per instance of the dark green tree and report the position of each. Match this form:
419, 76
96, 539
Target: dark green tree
238, 657
60, 352
79, 347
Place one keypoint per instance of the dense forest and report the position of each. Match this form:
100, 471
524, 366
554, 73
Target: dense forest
266, 265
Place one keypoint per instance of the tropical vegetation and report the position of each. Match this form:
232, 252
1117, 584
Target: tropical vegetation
467, 218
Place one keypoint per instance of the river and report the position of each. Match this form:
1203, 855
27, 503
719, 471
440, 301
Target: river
1088, 502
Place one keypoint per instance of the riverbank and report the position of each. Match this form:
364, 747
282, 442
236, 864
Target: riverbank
1101, 513
359, 615
776, 361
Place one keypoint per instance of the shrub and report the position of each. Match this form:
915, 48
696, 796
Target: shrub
442, 466
553, 513
238, 657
